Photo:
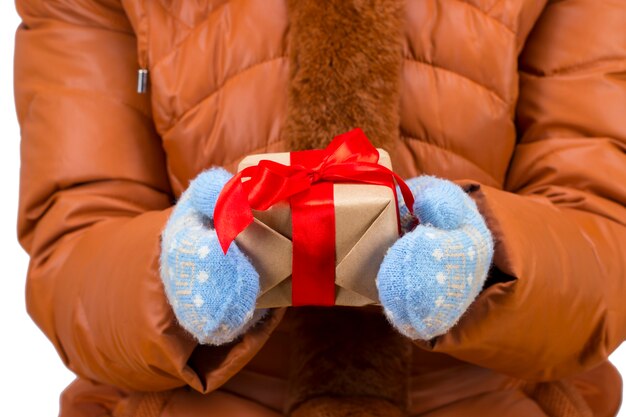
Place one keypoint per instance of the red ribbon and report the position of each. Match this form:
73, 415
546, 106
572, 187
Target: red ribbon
308, 186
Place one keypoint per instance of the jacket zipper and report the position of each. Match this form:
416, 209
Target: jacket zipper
142, 80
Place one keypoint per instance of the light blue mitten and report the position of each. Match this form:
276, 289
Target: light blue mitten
213, 295
431, 275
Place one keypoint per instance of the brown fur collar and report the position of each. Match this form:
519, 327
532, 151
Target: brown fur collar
345, 59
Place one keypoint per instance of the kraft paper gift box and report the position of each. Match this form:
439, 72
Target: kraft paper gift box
366, 225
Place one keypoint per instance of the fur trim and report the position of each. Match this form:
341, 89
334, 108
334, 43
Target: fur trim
345, 59
345, 352
347, 407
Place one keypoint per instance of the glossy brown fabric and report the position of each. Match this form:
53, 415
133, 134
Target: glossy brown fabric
522, 98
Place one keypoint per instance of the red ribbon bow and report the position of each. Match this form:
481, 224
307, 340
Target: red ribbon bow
308, 186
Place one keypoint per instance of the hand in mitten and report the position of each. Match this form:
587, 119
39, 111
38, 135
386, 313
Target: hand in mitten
431, 275
212, 294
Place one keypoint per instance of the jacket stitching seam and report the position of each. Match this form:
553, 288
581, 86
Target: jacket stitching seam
484, 13
489, 90
572, 69
226, 81
192, 30
173, 16
493, 5
416, 138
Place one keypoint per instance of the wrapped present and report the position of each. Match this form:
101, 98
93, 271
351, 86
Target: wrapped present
315, 224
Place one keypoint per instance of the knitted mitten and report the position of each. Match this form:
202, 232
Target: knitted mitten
213, 295
431, 275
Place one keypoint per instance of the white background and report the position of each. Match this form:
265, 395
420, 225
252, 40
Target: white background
32, 375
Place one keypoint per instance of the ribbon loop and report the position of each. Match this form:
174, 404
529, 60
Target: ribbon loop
349, 158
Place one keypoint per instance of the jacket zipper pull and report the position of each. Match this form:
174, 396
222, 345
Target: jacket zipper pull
142, 80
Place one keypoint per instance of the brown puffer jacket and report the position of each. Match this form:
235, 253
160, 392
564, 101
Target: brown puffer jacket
525, 98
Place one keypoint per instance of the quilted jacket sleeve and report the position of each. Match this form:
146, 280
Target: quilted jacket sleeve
560, 223
94, 198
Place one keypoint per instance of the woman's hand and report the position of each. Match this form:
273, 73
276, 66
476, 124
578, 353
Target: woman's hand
213, 295
431, 275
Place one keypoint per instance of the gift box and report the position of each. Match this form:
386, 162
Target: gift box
364, 216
